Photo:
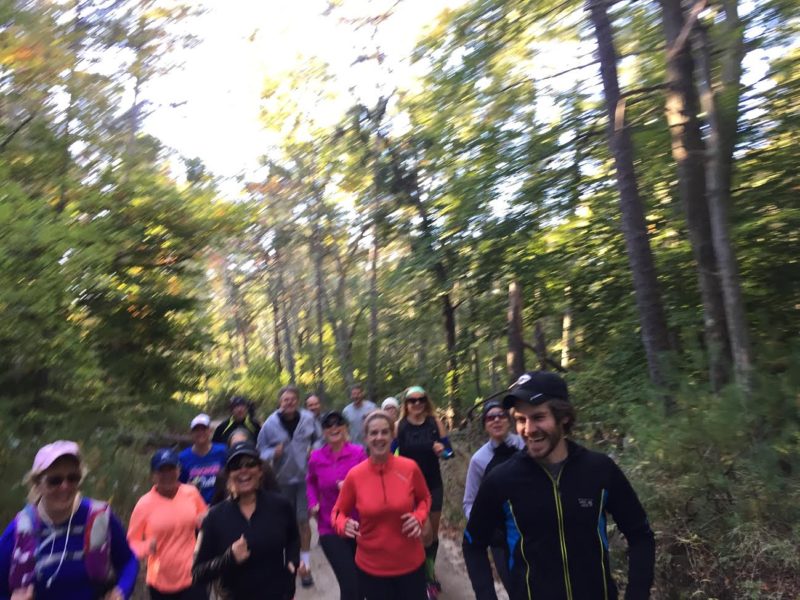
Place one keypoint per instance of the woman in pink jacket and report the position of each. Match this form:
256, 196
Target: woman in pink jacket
327, 468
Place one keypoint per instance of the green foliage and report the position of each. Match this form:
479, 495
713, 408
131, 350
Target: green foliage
719, 482
123, 289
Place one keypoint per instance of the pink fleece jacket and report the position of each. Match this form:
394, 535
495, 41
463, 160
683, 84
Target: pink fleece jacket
326, 472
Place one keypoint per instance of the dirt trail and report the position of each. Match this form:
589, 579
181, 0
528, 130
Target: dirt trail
450, 569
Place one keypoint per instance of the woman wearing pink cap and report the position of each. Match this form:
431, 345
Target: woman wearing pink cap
63, 546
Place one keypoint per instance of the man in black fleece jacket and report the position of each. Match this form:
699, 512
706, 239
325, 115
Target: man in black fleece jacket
553, 498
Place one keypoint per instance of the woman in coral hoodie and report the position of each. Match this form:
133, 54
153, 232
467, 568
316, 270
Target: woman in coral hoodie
392, 500
163, 530
327, 469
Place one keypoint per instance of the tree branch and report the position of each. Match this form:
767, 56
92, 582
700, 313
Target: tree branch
16, 130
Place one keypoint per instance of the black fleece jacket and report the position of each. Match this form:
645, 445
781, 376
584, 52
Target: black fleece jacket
272, 538
556, 529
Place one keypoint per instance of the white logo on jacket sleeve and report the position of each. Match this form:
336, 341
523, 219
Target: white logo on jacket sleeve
585, 502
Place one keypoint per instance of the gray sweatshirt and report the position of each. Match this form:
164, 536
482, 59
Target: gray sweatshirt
291, 467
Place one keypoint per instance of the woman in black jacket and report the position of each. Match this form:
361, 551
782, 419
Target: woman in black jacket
249, 543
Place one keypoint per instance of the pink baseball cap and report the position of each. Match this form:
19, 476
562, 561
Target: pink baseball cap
48, 454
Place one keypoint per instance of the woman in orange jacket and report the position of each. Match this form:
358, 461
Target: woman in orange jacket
392, 501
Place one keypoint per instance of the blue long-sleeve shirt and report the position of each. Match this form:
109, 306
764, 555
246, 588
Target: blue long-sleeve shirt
71, 581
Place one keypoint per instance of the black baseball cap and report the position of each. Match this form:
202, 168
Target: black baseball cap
333, 418
535, 387
246, 448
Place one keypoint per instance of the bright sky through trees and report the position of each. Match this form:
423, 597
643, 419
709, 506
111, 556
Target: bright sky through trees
219, 87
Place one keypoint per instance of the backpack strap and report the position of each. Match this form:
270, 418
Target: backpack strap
22, 570
97, 542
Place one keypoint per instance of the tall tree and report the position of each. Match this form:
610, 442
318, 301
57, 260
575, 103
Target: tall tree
689, 152
720, 102
634, 225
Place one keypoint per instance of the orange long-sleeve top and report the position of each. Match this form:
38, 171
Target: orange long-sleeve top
170, 523
382, 493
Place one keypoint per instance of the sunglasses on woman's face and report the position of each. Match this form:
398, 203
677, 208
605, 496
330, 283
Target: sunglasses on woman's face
420, 400
495, 417
332, 423
244, 464
55, 481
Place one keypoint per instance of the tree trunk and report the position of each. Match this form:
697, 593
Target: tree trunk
234, 305
540, 346
721, 110
634, 225
476, 362
342, 334
283, 305
409, 185
688, 150
515, 358
343, 349
69, 114
372, 364
449, 314
493, 364
276, 327
318, 281
566, 332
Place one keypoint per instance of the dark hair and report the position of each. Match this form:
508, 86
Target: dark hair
563, 409
234, 400
357, 386
289, 388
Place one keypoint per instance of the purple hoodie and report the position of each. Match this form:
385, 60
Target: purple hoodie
325, 471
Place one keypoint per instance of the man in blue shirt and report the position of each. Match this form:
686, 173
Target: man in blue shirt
201, 462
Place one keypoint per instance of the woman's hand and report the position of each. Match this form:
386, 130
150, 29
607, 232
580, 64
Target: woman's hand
351, 528
411, 526
151, 549
313, 512
278, 451
438, 448
240, 550
25, 593
115, 594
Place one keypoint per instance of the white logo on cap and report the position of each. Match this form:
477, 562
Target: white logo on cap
524, 378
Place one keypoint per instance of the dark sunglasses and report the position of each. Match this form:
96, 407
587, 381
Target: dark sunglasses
243, 464
55, 481
495, 417
420, 400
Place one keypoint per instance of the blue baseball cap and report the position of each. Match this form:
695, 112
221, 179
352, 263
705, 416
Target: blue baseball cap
164, 457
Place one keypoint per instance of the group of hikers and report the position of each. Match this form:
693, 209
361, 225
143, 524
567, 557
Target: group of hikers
228, 517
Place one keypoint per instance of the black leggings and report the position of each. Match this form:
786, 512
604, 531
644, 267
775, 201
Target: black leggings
410, 586
194, 592
341, 553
